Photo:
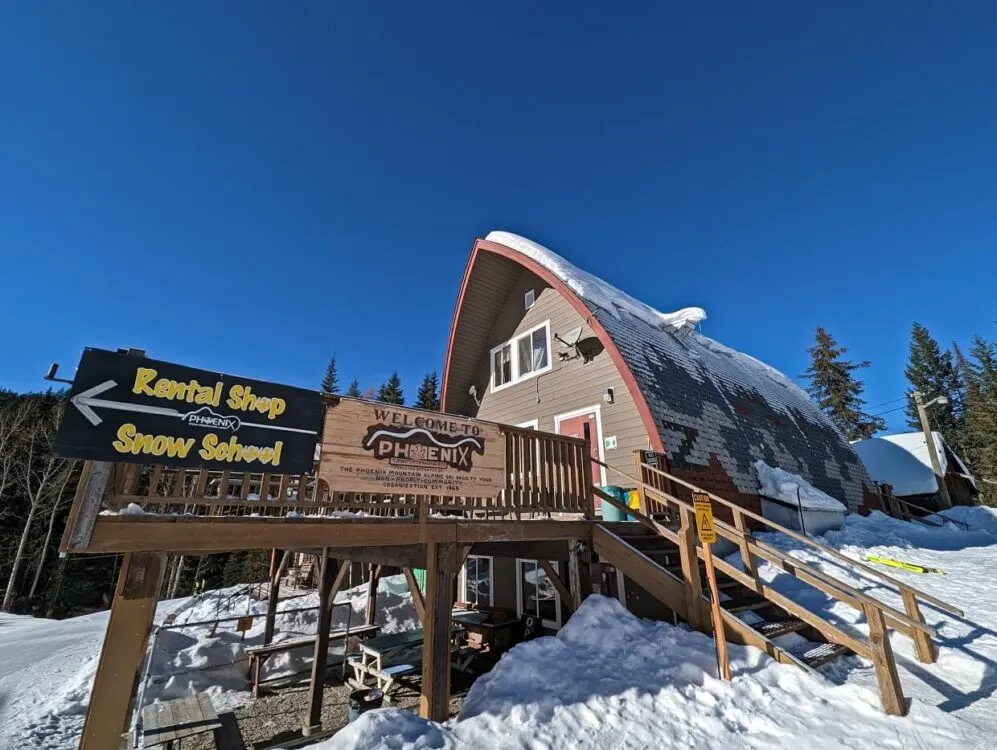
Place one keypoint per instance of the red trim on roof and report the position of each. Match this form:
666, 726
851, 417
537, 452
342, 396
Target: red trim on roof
580, 307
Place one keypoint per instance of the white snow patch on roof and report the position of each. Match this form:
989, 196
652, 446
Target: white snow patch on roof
793, 489
902, 461
594, 289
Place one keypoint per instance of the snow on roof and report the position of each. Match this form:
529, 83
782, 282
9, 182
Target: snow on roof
794, 489
684, 345
594, 289
901, 461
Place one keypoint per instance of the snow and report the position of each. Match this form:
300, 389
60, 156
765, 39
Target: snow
610, 680
902, 461
594, 289
48, 713
794, 489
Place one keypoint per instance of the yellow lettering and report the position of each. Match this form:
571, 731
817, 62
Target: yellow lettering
277, 407
142, 377
205, 395
125, 434
276, 452
162, 388
208, 442
235, 397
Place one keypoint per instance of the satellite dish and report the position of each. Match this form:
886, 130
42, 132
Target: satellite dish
571, 337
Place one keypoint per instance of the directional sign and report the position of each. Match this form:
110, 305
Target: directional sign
138, 410
704, 518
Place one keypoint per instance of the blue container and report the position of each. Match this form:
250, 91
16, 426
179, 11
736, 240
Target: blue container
611, 512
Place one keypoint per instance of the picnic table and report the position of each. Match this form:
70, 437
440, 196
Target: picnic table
259, 654
388, 658
165, 723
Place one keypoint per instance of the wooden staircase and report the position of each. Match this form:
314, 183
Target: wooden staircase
662, 554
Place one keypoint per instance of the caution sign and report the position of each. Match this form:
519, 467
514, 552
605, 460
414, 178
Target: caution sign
138, 410
704, 518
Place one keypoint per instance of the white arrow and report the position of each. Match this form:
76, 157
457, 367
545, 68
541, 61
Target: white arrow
84, 401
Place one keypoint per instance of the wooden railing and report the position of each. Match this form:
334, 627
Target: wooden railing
544, 474
676, 522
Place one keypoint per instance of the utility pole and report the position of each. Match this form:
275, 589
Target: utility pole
936, 466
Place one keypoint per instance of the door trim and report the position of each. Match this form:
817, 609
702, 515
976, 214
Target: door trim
597, 410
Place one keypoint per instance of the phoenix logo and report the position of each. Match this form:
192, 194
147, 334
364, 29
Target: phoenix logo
417, 445
204, 417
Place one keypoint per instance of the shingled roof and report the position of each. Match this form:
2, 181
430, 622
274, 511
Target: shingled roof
701, 400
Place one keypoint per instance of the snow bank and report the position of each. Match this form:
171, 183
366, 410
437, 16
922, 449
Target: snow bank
978, 518
609, 680
47, 666
594, 289
794, 489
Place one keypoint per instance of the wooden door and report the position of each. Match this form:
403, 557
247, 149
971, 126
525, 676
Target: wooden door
585, 426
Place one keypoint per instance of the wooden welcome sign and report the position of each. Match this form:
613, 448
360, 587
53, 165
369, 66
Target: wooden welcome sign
383, 448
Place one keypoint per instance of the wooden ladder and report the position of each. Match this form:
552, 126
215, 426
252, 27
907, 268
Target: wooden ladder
668, 564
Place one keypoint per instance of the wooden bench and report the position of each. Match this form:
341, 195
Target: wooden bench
259, 654
165, 723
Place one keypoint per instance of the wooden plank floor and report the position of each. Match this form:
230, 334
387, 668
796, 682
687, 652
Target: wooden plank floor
176, 719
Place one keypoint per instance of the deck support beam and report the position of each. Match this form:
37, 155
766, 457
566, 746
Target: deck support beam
375, 578
327, 578
579, 572
442, 558
276, 571
417, 600
125, 643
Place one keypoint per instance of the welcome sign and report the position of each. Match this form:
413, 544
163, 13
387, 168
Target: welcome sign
382, 448
138, 410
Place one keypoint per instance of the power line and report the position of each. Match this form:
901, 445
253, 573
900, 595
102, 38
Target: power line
892, 400
881, 413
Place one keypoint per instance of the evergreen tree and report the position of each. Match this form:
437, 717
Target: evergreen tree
330, 383
391, 391
353, 391
933, 373
429, 392
981, 415
837, 391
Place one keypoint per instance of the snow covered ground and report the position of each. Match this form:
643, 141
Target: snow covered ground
47, 666
607, 680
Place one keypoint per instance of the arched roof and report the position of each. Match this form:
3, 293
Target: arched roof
697, 398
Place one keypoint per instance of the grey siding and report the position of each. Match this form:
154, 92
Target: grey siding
569, 386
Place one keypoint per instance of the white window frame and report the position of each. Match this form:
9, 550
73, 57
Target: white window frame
529, 299
462, 579
514, 358
533, 424
597, 410
554, 624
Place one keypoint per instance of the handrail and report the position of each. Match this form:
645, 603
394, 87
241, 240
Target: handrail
768, 552
801, 538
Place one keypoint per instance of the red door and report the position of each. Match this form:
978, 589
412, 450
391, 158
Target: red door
585, 426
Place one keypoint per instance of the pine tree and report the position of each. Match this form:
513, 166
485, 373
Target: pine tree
933, 373
837, 391
981, 415
353, 391
429, 392
391, 391
330, 383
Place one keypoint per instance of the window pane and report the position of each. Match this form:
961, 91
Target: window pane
483, 585
528, 579
469, 571
502, 366
540, 349
525, 359
506, 363
497, 369
546, 597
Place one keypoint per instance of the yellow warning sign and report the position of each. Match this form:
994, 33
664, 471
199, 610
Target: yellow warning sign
704, 518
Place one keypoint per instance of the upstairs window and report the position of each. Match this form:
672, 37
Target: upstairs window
526, 355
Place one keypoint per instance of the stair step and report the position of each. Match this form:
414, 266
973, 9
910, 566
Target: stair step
749, 606
775, 628
817, 654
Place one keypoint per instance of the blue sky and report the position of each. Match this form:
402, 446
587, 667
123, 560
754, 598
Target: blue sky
254, 186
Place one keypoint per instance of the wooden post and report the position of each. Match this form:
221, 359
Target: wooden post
559, 586
375, 578
890, 691
690, 569
746, 558
719, 636
441, 560
274, 593
922, 412
86, 506
417, 600
926, 651
125, 644
313, 721
579, 572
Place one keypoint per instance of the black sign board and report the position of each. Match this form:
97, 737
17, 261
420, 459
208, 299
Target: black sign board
127, 408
